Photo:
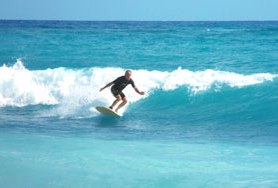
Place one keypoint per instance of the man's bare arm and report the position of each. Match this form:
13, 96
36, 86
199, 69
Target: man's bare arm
108, 85
139, 92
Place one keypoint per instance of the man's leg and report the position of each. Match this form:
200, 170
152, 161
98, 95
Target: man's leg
122, 104
118, 98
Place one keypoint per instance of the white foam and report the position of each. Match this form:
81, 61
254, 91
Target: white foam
198, 81
72, 90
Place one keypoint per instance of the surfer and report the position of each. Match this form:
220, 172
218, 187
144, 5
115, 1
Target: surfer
117, 89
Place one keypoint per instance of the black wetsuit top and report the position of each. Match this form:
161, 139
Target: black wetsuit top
119, 84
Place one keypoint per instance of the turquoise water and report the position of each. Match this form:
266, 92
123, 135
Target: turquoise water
208, 119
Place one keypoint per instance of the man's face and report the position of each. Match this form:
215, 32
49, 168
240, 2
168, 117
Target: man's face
127, 75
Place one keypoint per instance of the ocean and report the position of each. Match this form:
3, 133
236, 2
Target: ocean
209, 116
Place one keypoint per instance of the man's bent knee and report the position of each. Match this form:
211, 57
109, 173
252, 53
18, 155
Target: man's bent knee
118, 98
125, 100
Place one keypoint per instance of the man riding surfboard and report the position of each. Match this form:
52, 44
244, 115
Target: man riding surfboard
117, 89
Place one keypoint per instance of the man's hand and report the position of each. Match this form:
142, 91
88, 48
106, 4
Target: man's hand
139, 92
142, 93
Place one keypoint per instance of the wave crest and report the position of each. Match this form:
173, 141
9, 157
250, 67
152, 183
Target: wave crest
76, 88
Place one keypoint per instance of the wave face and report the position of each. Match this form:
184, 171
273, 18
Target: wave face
75, 89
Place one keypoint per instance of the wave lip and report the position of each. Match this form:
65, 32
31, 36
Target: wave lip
200, 81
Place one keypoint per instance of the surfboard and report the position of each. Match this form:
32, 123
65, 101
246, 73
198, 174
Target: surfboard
107, 111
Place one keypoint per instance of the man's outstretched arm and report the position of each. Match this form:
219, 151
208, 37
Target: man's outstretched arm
108, 85
139, 92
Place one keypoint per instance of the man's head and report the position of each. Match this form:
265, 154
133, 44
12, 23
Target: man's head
128, 74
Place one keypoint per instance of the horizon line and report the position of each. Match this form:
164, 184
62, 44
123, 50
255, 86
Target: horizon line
138, 20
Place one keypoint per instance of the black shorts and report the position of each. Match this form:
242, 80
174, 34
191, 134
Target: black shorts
116, 92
